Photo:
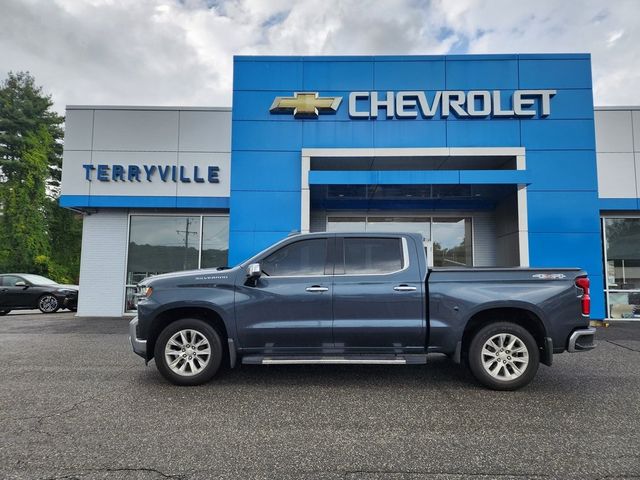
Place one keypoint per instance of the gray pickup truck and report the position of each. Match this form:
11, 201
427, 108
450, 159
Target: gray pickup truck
354, 298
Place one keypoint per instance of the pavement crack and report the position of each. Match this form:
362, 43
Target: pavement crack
40, 418
622, 346
89, 471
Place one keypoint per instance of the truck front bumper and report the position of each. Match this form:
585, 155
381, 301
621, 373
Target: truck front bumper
581, 340
139, 346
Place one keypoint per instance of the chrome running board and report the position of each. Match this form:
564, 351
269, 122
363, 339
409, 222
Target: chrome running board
335, 360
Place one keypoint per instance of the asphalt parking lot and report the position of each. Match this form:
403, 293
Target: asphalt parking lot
75, 402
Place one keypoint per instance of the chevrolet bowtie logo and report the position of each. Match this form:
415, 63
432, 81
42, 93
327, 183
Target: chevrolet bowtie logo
305, 104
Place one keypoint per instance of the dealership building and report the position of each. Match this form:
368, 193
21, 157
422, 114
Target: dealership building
498, 160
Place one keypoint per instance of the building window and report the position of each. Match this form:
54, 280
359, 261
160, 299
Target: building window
215, 242
451, 242
451, 237
622, 266
169, 243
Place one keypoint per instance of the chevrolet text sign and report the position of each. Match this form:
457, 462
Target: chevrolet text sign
410, 104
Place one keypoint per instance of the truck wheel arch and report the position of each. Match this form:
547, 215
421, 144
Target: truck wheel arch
171, 315
524, 317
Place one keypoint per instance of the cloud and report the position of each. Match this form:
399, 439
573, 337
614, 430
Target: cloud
180, 52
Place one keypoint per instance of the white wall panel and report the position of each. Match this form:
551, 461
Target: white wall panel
102, 270
617, 138
205, 131
616, 175
136, 130
78, 129
636, 130
613, 131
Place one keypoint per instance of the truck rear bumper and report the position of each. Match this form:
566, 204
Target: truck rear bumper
581, 340
139, 346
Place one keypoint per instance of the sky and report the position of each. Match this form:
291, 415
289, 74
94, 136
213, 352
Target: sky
180, 52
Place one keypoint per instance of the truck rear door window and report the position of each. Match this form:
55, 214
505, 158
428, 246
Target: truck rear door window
370, 256
304, 258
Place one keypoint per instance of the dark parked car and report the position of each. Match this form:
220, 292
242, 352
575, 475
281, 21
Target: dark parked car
361, 299
19, 291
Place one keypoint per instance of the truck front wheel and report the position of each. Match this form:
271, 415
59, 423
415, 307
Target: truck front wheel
188, 352
503, 356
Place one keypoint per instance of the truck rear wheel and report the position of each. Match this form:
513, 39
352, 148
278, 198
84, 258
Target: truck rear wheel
188, 352
503, 356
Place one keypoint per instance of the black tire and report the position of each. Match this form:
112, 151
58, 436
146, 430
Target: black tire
48, 303
4, 312
189, 378
513, 362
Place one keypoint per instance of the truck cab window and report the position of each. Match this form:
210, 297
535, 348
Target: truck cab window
304, 258
372, 255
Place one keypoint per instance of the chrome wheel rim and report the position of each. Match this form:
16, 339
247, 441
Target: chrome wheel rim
505, 357
187, 352
48, 303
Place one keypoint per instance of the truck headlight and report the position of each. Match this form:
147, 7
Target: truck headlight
144, 291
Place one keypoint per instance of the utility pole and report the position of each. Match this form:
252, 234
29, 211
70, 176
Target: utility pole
186, 241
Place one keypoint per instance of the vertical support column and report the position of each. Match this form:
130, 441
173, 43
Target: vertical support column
305, 196
523, 221
523, 226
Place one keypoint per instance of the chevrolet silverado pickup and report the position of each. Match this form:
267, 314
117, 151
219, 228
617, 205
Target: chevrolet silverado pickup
360, 298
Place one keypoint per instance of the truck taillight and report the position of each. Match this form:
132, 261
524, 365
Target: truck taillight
583, 283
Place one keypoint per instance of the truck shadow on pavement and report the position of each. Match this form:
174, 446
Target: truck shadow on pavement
439, 372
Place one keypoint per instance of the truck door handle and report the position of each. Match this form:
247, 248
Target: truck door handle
404, 288
317, 288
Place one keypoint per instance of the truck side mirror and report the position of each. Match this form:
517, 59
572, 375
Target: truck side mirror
254, 271
253, 274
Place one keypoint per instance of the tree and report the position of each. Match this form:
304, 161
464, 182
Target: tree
25, 109
36, 235
24, 223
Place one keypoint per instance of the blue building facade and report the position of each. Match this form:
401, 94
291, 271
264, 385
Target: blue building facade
483, 128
